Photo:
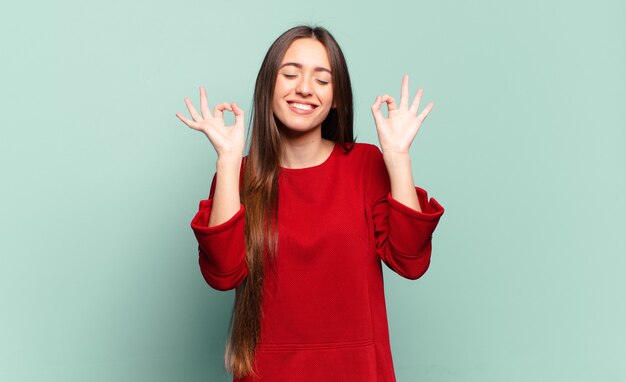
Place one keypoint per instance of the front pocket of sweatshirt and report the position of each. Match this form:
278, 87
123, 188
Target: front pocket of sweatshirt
353, 361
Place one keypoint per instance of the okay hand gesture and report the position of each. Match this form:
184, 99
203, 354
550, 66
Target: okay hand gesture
227, 140
397, 131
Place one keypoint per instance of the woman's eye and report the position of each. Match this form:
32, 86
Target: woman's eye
290, 75
322, 82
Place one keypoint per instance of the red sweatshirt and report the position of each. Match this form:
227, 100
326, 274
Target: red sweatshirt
324, 318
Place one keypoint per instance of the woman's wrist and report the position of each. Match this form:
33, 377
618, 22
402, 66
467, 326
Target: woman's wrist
229, 160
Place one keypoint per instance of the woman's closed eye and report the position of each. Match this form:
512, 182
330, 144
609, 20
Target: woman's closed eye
293, 76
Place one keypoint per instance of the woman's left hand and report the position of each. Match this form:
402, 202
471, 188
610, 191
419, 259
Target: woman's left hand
397, 131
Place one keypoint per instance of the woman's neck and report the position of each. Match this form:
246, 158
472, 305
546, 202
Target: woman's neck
306, 151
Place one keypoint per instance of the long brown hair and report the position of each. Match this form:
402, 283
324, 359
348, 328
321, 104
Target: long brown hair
259, 190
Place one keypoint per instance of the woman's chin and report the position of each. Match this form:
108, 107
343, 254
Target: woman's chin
298, 130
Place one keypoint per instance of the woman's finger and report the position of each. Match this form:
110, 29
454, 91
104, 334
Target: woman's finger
204, 104
378, 115
219, 109
239, 117
416, 101
425, 112
192, 110
391, 103
404, 94
188, 122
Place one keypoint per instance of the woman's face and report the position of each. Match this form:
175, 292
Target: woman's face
303, 93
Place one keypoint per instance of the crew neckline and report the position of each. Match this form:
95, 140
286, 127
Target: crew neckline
332, 154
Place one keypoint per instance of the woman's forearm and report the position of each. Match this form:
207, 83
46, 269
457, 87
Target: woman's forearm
226, 202
401, 179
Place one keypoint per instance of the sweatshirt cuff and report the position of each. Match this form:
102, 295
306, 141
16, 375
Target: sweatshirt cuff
200, 221
431, 210
222, 246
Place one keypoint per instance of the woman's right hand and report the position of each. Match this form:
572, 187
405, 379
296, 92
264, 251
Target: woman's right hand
227, 140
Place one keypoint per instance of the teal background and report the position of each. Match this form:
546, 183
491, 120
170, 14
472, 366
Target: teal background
525, 148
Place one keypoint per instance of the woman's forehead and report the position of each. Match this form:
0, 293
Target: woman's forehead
307, 52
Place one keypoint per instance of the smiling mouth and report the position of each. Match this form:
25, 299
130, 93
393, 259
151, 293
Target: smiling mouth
302, 106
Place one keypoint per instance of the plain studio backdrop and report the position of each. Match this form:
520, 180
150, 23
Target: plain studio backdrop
525, 148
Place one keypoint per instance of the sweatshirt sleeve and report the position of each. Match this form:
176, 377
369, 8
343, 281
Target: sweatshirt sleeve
221, 248
402, 235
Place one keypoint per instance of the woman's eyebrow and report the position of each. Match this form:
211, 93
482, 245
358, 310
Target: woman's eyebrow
299, 66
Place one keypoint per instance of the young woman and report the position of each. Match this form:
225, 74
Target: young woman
301, 224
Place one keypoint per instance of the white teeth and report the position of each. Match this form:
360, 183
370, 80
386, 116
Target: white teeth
301, 106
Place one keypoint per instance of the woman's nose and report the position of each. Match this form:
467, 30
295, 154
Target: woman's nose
303, 87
